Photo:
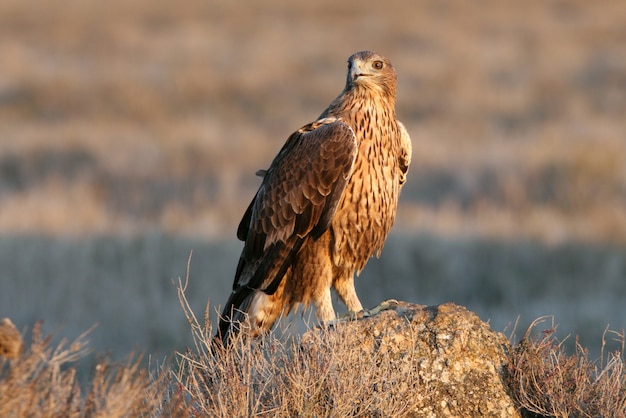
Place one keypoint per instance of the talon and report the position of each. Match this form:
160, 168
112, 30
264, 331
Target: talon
384, 306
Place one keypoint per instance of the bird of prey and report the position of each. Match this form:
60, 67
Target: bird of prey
324, 207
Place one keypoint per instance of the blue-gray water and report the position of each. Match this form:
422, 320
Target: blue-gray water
125, 285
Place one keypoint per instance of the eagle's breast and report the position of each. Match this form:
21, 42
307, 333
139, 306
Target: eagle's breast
367, 209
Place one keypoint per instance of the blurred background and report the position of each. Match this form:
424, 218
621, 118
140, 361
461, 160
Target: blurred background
130, 133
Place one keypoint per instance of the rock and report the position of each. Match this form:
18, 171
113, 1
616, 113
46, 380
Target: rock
443, 360
10, 340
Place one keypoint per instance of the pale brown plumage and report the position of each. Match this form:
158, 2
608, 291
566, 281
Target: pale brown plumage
325, 204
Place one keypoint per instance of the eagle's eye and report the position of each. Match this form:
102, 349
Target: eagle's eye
377, 64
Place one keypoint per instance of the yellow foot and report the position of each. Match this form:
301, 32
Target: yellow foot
353, 316
386, 305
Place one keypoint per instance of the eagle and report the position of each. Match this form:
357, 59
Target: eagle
324, 207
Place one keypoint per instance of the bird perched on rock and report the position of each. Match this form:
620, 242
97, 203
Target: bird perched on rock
325, 205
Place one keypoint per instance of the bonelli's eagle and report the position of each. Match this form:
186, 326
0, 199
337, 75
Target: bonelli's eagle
325, 205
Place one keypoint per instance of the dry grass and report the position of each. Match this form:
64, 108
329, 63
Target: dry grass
43, 383
271, 377
546, 381
289, 378
292, 377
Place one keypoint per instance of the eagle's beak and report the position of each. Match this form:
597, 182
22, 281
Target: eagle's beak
356, 71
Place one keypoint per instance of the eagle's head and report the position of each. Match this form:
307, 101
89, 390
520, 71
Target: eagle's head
367, 69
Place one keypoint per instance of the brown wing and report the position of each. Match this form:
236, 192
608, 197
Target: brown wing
404, 152
297, 199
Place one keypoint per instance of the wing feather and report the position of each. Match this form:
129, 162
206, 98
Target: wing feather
297, 199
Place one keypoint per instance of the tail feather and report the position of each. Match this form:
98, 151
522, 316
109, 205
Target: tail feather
235, 313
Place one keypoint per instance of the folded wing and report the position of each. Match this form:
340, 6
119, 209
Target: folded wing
296, 201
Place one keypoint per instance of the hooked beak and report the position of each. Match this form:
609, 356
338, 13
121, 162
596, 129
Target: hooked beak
356, 71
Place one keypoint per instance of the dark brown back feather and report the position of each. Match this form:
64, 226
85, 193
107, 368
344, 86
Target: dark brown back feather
296, 201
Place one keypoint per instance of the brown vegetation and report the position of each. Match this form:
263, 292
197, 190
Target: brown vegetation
547, 381
10, 340
331, 373
327, 373
43, 383
120, 118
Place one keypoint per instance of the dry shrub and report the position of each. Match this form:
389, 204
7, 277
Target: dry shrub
43, 383
546, 381
11, 343
298, 377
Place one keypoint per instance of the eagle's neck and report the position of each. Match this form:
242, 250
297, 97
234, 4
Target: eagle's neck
362, 101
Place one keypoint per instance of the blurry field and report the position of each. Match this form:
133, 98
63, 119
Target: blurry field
130, 133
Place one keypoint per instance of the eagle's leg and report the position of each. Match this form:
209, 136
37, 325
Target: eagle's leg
324, 307
344, 285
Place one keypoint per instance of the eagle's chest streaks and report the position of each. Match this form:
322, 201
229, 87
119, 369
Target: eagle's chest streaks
367, 209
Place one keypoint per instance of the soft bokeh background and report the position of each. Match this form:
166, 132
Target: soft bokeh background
130, 133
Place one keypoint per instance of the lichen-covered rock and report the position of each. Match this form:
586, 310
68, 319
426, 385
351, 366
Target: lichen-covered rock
443, 360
